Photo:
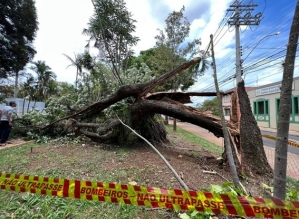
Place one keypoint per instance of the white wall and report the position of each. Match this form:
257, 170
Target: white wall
24, 106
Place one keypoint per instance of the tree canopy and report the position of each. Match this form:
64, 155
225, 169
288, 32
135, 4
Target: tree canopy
18, 26
172, 50
111, 28
41, 87
210, 105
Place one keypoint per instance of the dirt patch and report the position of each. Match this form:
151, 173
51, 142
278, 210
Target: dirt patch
13, 143
135, 163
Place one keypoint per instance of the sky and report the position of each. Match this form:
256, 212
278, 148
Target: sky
61, 23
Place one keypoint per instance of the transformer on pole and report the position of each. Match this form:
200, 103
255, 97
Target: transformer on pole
242, 17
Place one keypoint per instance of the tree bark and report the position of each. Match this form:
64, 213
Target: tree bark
96, 137
281, 147
179, 111
253, 156
16, 88
174, 124
227, 139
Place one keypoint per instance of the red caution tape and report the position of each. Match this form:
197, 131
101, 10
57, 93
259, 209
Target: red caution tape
152, 197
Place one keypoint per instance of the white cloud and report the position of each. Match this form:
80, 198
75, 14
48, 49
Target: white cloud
177, 5
61, 23
198, 24
146, 26
222, 47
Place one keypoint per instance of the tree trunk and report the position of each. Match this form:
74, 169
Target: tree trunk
174, 124
281, 147
227, 139
253, 156
179, 111
76, 82
166, 120
16, 88
28, 105
23, 108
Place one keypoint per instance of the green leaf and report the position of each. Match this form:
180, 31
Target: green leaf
292, 194
216, 188
227, 184
184, 216
194, 213
265, 186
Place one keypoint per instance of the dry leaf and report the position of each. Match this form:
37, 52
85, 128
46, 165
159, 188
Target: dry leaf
181, 175
133, 183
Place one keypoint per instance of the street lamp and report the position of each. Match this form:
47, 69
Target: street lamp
275, 34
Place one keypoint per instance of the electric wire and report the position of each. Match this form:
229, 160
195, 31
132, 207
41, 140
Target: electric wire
281, 23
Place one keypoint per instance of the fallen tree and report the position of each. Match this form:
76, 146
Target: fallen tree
140, 110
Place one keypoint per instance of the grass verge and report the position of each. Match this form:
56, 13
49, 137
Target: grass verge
62, 162
194, 139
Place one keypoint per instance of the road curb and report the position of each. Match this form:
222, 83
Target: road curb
290, 142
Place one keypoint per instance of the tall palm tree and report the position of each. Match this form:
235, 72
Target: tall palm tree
78, 63
45, 79
28, 91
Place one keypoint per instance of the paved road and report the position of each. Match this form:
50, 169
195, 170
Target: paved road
271, 143
203, 133
293, 159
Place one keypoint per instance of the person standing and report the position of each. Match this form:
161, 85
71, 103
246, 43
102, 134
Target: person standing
6, 121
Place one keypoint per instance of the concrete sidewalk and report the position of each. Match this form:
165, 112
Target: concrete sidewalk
295, 133
293, 159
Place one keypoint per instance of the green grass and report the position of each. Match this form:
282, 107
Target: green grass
50, 163
14, 205
292, 188
194, 139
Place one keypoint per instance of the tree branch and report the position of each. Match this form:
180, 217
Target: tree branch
136, 90
162, 157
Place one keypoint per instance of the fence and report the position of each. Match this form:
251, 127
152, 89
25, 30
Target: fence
24, 106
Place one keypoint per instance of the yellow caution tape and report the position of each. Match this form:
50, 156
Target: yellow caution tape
152, 196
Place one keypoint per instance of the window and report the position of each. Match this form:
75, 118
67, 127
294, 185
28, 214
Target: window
261, 107
254, 108
296, 108
294, 102
227, 112
266, 107
226, 98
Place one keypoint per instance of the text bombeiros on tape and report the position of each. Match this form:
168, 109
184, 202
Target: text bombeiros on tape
152, 197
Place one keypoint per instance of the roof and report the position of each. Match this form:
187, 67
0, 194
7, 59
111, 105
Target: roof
233, 89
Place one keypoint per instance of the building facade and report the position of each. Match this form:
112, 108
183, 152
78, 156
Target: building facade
265, 104
265, 101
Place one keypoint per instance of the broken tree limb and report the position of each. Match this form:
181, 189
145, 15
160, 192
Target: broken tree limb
235, 148
133, 90
179, 111
182, 97
162, 157
102, 127
106, 137
161, 79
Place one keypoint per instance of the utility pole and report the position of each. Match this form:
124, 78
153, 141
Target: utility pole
242, 17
